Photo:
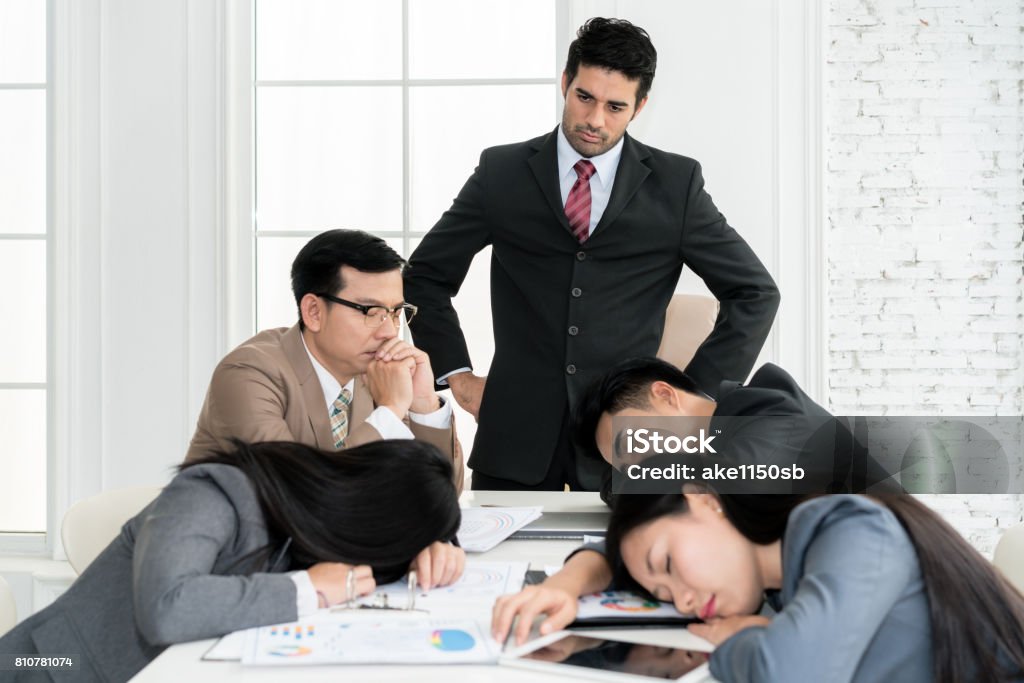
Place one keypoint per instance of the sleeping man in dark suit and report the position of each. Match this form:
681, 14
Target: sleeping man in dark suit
770, 418
589, 231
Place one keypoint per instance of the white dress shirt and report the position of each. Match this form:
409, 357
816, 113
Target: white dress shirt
605, 167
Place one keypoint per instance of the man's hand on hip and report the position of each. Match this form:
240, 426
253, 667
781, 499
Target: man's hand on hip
468, 390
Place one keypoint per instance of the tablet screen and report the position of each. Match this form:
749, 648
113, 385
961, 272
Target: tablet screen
654, 661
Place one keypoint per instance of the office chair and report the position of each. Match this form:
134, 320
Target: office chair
8, 610
1009, 555
689, 320
91, 524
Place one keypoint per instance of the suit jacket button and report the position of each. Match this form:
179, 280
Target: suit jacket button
577, 292
581, 256
573, 330
570, 369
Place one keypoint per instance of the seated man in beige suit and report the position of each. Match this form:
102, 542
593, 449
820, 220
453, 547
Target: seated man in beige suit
341, 376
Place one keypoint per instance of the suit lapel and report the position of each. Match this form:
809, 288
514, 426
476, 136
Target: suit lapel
312, 392
628, 178
544, 165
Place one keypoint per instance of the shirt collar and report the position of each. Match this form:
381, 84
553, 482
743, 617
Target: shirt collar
605, 165
328, 384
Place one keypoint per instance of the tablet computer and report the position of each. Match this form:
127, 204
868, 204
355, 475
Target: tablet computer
572, 654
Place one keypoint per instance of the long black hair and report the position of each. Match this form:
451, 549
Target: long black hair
976, 615
379, 504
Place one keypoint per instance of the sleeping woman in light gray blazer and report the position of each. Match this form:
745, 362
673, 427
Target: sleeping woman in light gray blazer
260, 536
864, 589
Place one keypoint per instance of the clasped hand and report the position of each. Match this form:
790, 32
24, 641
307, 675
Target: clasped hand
400, 378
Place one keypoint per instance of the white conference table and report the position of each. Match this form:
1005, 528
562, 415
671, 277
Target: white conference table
184, 662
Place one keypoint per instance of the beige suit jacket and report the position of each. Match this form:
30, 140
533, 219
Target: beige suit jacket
267, 390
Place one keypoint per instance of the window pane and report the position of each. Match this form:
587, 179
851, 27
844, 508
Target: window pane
329, 158
473, 39
23, 161
328, 39
23, 308
275, 303
23, 460
22, 41
440, 162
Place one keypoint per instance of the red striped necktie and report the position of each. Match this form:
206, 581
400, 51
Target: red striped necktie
577, 206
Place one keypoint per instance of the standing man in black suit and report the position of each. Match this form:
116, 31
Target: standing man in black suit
589, 230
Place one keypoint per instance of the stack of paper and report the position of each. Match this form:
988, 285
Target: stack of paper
483, 528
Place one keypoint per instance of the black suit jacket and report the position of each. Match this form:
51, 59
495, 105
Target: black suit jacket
564, 312
771, 420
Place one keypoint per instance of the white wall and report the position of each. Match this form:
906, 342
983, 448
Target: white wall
926, 176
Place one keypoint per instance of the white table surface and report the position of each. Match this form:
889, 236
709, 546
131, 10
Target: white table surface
183, 662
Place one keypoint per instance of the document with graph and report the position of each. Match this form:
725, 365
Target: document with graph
485, 527
480, 584
354, 638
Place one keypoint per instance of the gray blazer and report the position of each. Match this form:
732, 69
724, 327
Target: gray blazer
172, 575
852, 605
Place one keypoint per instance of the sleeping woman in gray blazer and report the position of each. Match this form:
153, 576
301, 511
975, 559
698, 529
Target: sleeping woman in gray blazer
864, 589
260, 536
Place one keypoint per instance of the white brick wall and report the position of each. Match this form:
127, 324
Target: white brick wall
925, 165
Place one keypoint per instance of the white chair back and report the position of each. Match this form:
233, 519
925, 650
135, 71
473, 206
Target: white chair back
91, 524
689, 320
8, 610
1009, 555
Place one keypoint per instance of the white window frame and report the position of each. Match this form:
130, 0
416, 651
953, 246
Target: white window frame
242, 231
37, 543
73, 458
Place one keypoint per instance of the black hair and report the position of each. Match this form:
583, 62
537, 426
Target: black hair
379, 504
317, 267
614, 44
626, 385
976, 615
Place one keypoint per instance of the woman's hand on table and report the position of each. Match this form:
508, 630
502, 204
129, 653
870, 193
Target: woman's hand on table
557, 603
439, 564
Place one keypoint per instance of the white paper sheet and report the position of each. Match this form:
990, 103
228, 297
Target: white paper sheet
480, 584
485, 527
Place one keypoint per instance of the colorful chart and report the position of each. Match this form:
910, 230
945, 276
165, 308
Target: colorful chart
285, 640
452, 640
637, 604
290, 651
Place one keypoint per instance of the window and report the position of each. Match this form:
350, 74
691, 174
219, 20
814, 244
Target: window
24, 242
372, 116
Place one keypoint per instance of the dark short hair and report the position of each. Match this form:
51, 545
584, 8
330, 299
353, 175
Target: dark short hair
626, 385
614, 44
317, 268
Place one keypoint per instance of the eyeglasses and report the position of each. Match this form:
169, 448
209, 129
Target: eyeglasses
374, 316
